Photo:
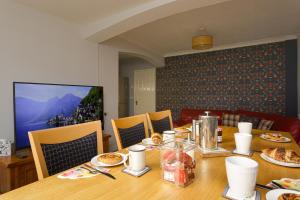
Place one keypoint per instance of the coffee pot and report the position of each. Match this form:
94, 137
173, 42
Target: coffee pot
207, 129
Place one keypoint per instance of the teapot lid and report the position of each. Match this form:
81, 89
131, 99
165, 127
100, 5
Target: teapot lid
207, 114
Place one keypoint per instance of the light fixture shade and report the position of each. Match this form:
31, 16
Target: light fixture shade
202, 42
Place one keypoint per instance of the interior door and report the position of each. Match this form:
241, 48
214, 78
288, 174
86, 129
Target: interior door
144, 91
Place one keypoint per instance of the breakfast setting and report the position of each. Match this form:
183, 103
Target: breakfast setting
210, 157
256, 164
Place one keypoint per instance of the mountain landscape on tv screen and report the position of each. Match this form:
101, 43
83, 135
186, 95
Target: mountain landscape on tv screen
69, 109
30, 111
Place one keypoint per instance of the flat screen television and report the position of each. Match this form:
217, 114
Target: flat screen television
40, 106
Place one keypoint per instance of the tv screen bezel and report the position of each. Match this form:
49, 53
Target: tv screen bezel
14, 103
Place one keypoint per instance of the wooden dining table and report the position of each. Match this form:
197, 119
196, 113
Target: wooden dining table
209, 183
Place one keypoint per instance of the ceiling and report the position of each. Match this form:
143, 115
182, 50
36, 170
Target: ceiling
229, 22
165, 27
82, 11
125, 58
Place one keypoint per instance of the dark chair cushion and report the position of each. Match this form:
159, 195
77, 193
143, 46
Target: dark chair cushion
254, 120
159, 126
62, 156
132, 135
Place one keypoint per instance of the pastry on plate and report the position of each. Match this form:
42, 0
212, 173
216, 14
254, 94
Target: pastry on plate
156, 138
274, 136
289, 196
110, 158
283, 155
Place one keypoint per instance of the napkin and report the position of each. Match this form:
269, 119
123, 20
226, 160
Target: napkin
287, 183
76, 173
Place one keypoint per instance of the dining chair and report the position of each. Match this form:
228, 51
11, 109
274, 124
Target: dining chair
58, 149
160, 121
130, 130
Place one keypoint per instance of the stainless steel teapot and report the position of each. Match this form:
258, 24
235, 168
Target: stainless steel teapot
207, 130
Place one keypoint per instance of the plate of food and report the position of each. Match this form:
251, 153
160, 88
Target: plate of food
155, 140
182, 130
275, 137
283, 194
281, 156
109, 159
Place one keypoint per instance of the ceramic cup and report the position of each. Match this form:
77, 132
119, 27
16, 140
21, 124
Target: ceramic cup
245, 127
243, 142
168, 135
241, 175
136, 157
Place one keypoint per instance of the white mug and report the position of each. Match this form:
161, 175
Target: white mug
245, 127
243, 142
136, 157
168, 135
241, 175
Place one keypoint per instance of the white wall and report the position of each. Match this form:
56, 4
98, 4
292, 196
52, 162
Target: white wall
109, 79
36, 47
298, 75
127, 68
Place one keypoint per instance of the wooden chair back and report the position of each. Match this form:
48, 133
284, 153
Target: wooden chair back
60, 135
154, 116
128, 122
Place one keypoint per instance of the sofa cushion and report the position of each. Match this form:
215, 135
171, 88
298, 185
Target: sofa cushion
254, 120
273, 117
265, 124
230, 119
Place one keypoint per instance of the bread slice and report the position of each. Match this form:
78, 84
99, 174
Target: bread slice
283, 155
110, 158
289, 196
156, 138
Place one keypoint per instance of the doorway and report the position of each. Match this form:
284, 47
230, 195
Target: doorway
123, 97
144, 91
128, 64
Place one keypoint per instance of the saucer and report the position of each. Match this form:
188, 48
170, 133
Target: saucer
229, 195
134, 173
244, 154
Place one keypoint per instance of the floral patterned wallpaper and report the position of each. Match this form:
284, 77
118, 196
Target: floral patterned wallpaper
250, 78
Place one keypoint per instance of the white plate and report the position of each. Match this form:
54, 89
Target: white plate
274, 194
271, 160
95, 161
263, 136
181, 130
190, 129
148, 141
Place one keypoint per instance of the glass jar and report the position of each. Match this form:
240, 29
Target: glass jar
178, 162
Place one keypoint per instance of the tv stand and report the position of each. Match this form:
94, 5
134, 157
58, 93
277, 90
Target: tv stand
24, 153
19, 169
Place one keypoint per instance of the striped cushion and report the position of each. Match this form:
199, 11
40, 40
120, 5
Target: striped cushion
230, 119
265, 124
159, 126
132, 135
62, 156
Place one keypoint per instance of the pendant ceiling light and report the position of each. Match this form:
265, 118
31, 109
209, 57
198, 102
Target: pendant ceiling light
202, 42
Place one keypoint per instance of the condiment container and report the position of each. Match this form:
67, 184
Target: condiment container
177, 162
220, 134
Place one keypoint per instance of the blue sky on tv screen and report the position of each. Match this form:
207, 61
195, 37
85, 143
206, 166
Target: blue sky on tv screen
36, 104
41, 92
